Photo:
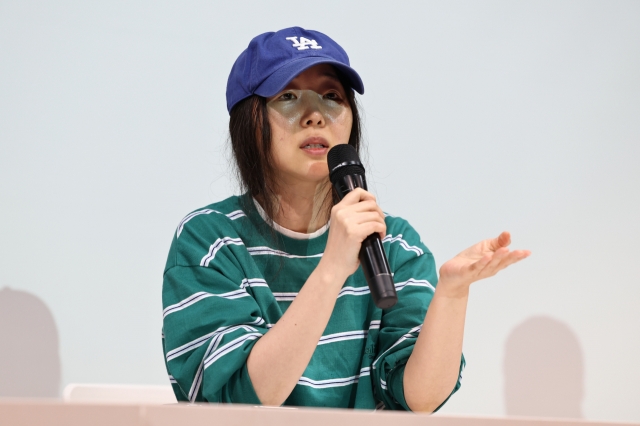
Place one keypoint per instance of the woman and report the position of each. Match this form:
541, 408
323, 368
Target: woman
265, 303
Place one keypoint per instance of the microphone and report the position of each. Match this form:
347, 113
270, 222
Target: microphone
346, 173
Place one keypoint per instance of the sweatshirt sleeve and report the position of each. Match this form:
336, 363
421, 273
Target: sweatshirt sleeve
210, 319
415, 278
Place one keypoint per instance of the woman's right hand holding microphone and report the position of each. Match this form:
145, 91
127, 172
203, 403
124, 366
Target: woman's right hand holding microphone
353, 219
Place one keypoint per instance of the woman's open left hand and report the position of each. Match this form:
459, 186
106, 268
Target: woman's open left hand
479, 261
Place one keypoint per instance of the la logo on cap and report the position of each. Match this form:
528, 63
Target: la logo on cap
304, 43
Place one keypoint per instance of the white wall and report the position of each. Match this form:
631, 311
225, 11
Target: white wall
480, 116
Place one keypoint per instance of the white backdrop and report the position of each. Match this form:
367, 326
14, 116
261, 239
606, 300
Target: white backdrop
480, 117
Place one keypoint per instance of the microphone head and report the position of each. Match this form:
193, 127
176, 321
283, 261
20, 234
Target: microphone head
343, 160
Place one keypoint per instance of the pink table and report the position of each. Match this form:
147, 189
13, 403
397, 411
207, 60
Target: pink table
16, 412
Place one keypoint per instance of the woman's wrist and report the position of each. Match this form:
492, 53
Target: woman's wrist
329, 274
451, 289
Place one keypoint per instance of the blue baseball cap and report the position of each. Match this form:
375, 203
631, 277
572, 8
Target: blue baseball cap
273, 59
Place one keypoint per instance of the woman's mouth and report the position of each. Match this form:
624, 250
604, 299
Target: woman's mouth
315, 146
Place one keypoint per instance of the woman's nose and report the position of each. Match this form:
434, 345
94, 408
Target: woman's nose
313, 118
313, 115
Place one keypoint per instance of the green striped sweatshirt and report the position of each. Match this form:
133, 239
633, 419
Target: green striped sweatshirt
230, 277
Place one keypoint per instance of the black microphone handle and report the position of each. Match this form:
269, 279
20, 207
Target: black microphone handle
372, 256
376, 270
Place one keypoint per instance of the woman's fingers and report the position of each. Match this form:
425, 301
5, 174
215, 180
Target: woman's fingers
482, 260
498, 256
367, 217
363, 211
501, 259
371, 228
359, 206
488, 263
353, 219
357, 209
363, 206
356, 196
502, 240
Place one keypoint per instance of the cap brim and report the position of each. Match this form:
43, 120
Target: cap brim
277, 81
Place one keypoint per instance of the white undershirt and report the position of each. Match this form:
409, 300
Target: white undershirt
288, 232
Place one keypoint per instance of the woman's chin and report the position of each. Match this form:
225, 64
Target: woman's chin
318, 171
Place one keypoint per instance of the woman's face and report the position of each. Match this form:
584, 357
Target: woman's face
309, 117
